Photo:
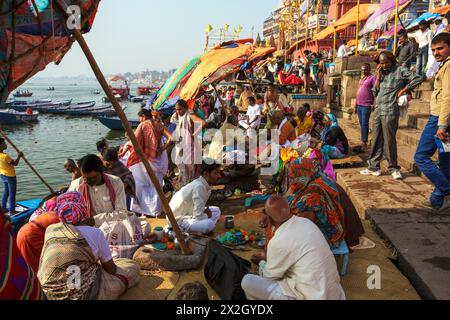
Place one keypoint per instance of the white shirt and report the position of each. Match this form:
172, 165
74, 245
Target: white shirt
190, 201
100, 199
97, 241
254, 112
342, 51
425, 38
300, 259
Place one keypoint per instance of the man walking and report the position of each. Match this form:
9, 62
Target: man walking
438, 125
393, 81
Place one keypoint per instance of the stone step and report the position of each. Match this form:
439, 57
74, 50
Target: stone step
426, 86
369, 192
425, 95
423, 247
419, 106
409, 137
414, 120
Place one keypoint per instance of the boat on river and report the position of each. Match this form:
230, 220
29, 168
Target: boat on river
24, 211
13, 117
114, 123
24, 94
105, 110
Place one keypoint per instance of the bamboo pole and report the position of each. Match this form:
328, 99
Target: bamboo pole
306, 26
101, 79
334, 33
3, 134
357, 27
396, 26
317, 24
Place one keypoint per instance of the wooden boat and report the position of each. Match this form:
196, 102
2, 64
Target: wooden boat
40, 106
19, 94
96, 92
24, 211
75, 106
136, 99
94, 111
13, 117
146, 91
51, 89
114, 123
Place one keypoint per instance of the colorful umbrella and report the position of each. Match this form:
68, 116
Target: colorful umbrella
175, 82
211, 62
34, 34
427, 16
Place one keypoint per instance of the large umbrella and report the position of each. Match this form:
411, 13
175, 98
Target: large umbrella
34, 34
427, 16
175, 82
211, 62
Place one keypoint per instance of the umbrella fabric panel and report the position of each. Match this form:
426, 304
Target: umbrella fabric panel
210, 63
38, 38
171, 84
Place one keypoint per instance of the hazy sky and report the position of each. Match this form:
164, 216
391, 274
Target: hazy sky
134, 35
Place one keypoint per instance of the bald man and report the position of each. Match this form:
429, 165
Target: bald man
299, 266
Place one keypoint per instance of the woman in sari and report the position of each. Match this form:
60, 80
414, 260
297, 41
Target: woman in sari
17, 280
334, 137
314, 196
150, 135
188, 149
70, 268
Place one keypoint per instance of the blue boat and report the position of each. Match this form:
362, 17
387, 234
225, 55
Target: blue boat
114, 123
12, 117
25, 209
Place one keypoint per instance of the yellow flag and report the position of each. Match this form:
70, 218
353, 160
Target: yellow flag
226, 27
235, 32
239, 28
209, 28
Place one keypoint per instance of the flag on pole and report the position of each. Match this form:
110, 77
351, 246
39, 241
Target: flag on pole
239, 29
226, 27
209, 28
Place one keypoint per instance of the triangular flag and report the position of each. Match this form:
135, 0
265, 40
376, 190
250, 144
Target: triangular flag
226, 27
209, 28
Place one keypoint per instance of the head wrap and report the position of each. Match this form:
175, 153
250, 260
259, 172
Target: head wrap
71, 208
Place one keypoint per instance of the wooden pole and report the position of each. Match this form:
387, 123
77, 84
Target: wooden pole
306, 26
101, 79
357, 27
334, 33
317, 24
26, 161
396, 26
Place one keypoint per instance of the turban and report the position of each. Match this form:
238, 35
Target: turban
71, 209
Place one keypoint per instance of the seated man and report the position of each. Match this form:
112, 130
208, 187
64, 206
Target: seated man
102, 192
299, 264
72, 168
284, 127
253, 117
189, 204
116, 168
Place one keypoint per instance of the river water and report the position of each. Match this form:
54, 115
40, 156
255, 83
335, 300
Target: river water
55, 138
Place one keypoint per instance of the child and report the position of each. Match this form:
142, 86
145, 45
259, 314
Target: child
8, 175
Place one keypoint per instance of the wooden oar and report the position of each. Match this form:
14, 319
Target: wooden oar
26, 161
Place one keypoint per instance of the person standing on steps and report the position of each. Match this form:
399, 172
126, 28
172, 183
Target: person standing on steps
393, 81
364, 102
438, 126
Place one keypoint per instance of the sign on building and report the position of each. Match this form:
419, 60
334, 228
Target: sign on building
323, 21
